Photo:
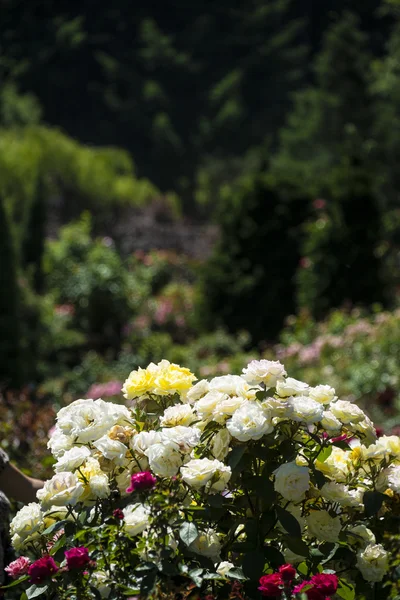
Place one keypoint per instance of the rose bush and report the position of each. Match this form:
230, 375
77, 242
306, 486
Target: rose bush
238, 487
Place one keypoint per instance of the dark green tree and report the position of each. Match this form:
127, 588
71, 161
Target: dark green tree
328, 151
249, 282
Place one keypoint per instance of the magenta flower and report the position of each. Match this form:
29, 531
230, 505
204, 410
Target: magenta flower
18, 567
141, 481
77, 558
42, 569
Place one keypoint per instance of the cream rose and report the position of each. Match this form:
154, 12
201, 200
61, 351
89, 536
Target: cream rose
164, 459
291, 387
249, 422
136, 518
323, 527
324, 394
200, 472
268, 372
180, 414
292, 481
373, 562
62, 489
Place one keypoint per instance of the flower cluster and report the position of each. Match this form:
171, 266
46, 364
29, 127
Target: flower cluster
222, 481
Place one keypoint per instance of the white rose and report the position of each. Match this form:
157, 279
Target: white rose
305, 410
72, 459
393, 478
347, 412
27, 522
136, 518
291, 387
59, 442
338, 465
207, 544
164, 459
143, 440
99, 485
360, 535
373, 562
233, 385
292, 481
224, 567
180, 414
330, 423
323, 527
391, 443
342, 494
227, 407
62, 489
268, 372
199, 390
366, 429
183, 438
206, 406
322, 394
199, 472
249, 422
88, 420
220, 444
111, 449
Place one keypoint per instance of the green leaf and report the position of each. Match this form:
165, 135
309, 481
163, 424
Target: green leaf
196, 576
14, 583
188, 532
236, 573
234, 456
267, 522
252, 530
346, 590
34, 591
148, 583
325, 453
95, 592
54, 527
253, 564
288, 522
274, 557
372, 502
296, 545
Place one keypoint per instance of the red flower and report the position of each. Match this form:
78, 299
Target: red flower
270, 585
118, 514
312, 593
326, 583
42, 569
77, 558
141, 481
287, 573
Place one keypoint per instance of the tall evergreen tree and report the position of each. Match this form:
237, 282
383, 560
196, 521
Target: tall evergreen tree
327, 151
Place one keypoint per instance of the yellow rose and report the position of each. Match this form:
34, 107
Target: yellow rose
173, 379
138, 383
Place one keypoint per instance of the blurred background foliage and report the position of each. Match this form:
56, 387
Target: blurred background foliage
206, 183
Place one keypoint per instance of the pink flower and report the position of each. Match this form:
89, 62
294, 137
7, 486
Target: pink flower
270, 585
42, 569
319, 204
326, 583
287, 573
18, 567
141, 481
77, 558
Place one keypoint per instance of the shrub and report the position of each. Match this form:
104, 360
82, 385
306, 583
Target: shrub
236, 486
